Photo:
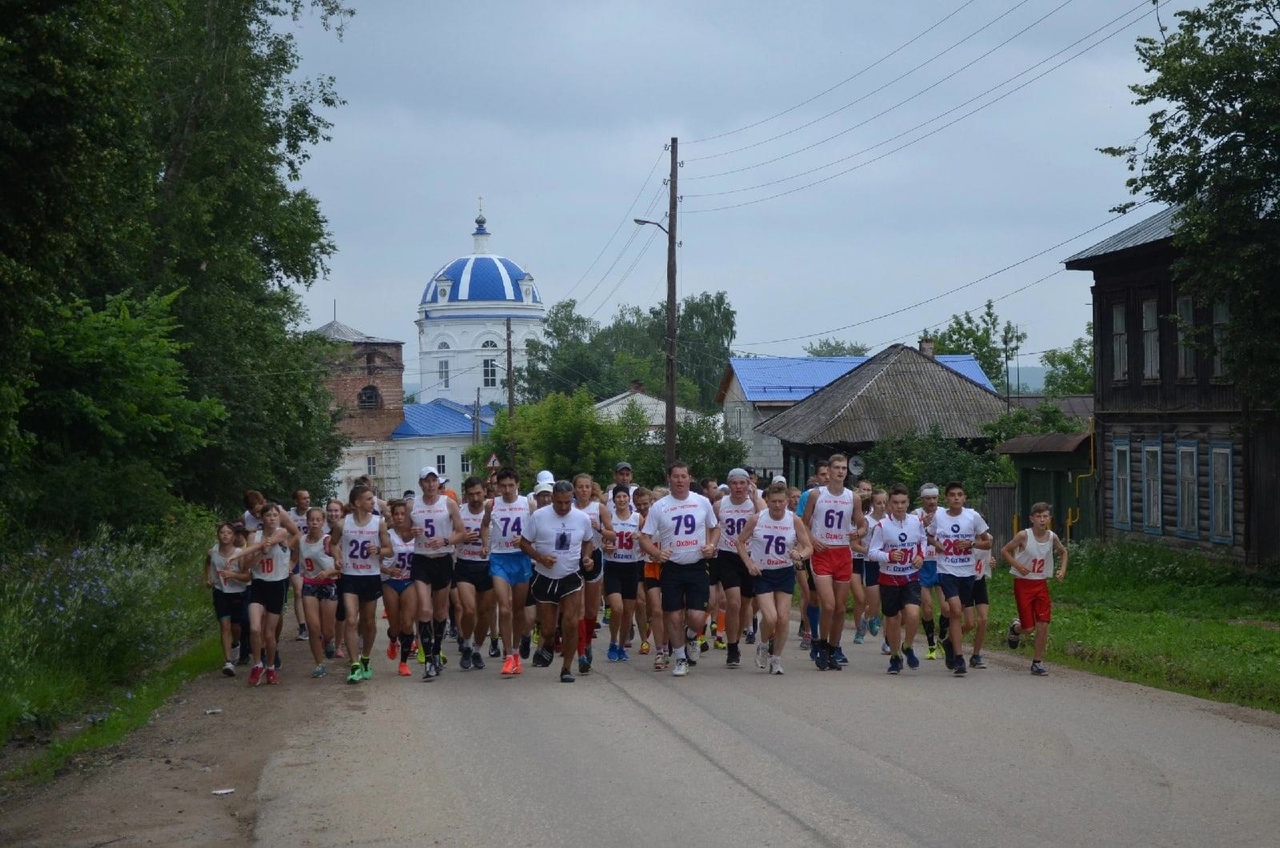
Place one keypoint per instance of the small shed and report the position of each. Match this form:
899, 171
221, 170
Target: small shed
1056, 468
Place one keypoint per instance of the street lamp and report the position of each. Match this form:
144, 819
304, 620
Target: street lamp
671, 329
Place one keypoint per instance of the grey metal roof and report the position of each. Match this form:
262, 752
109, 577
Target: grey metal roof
1156, 228
1072, 406
1044, 443
897, 391
339, 332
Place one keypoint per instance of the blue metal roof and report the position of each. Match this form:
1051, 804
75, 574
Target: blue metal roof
792, 379
440, 417
480, 277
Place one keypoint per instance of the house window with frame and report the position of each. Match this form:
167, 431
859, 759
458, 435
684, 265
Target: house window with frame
1220, 526
1186, 353
1150, 341
464, 464
442, 373
490, 373
440, 464
1123, 507
369, 398
1151, 492
371, 465
1220, 318
1119, 343
1188, 490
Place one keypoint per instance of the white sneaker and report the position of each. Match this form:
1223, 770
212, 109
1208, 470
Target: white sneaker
775, 665
229, 668
681, 669
762, 655
691, 648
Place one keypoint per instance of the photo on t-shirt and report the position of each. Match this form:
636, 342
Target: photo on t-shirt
562, 541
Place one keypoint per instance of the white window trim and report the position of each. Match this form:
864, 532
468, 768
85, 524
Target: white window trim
1150, 341
1188, 504
1152, 511
1224, 504
1122, 495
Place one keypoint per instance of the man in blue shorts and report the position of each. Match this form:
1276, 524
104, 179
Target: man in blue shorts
509, 567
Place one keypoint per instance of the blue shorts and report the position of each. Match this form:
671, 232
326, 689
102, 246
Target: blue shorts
397, 585
929, 573
771, 580
513, 568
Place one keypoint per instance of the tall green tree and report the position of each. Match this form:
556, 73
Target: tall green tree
993, 344
1211, 151
1070, 369
836, 347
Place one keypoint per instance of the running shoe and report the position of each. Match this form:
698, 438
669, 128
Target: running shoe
857, 638
837, 654
339, 653
328, 650
814, 651
543, 658
750, 638
775, 665
319, 671
884, 647
590, 654
422, 655
948, 654
873, 625
645, 647
932, 653
273, 677
584, 665
428, 671
862, 628
702, 644
392, 650
612, 656
403, 669
823, 660
477, 661
693, 650
806, 643
276, 665
913, 661
441, 660
465, 663
229, 669
623, 656
720, 643
525, 646
356, 674
608, 614
976, 661
302, 633
1038, 669
958, 668
895, 665
734, 658
566, 676
832, 664
519, 665
255, 676
681, 669
1014, 637
494, 650
453, 630
509, 665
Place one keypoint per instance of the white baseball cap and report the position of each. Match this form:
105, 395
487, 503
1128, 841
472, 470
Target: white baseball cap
546, 477
780, 479
542, 487
429, 471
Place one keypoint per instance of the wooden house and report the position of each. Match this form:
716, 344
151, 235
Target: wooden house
1178, 460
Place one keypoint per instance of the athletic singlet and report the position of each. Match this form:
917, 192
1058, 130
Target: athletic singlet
506, 520
400, 563
251, 522
313, 558
592, 510
472, 522
733, 517
273, 563
1036, 556
435, 523
217, 562
361, 547
889, 535
299, 521
982, 564
832, 519
949, 529
930, 552
773, 540
627, 548
680, 526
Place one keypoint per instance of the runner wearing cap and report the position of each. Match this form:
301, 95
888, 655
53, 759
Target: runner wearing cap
622, 476
929, 570
437, 527
544, 478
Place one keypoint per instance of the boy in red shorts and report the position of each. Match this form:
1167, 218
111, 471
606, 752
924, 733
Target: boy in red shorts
1030, 556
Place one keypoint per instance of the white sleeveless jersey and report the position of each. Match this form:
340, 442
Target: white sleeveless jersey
888, 535
628, 542
982, 564
400, 562
506, 520
592, 510
299, 521
733, 517
360, 547
1037, 556
314, 557
950, 529
273, 563
472, 550
773, 540
435, 523
217, 562
832, 518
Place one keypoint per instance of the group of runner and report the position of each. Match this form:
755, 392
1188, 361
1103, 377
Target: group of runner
529, 573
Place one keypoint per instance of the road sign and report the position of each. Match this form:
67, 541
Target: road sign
493, 461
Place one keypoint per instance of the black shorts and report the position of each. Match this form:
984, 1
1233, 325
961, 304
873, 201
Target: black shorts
544, 590
228, 604
341, 614
953, 586
622, 578
651, 583
870, 573
685, 587
733, 574
894, 598
268, 594
320, 591
980, 596
808, 576
475, 572
366, 587
595, 572
435, 571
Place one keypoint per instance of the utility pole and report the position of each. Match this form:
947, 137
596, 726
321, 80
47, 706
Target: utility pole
511, 399
671, 308
475, 421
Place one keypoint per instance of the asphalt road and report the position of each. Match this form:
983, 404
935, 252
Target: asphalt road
627, 756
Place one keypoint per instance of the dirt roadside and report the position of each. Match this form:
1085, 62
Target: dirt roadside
156, 787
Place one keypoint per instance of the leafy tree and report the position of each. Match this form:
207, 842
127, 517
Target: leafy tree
1046, 418
562, 433
915, 459
836, 347
1211, 151
989, 342
564, 358
1070, 368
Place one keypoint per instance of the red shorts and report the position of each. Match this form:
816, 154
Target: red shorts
836, 563
1032, 597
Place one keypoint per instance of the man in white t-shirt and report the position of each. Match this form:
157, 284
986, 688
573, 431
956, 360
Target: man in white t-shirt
956, 533
681, 533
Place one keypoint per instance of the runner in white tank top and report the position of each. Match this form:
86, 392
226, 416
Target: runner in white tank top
1030, 557
585, 499
471, 570
318, 598
771, 545
729, 575
269, 554
622, 571
363, 541
399, 600
509, 567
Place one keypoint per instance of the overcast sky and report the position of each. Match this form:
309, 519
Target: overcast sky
557, 113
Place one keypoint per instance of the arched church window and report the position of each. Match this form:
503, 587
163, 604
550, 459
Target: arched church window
489, 343
369, 398
442, 346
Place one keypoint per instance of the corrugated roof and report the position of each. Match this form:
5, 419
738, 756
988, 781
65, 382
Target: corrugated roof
339, 332
792, 379
1072, 406
655, 409
1044, 443
1156, 228
440, 417
897, 391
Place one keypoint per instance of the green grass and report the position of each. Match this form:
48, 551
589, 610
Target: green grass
125, 709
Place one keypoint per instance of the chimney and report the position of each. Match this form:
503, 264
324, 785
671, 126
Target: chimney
637, 387
926, 346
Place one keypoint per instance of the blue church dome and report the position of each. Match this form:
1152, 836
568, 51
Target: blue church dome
480, 276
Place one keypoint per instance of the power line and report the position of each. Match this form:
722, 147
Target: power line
826, 91
653, 235
635, 233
